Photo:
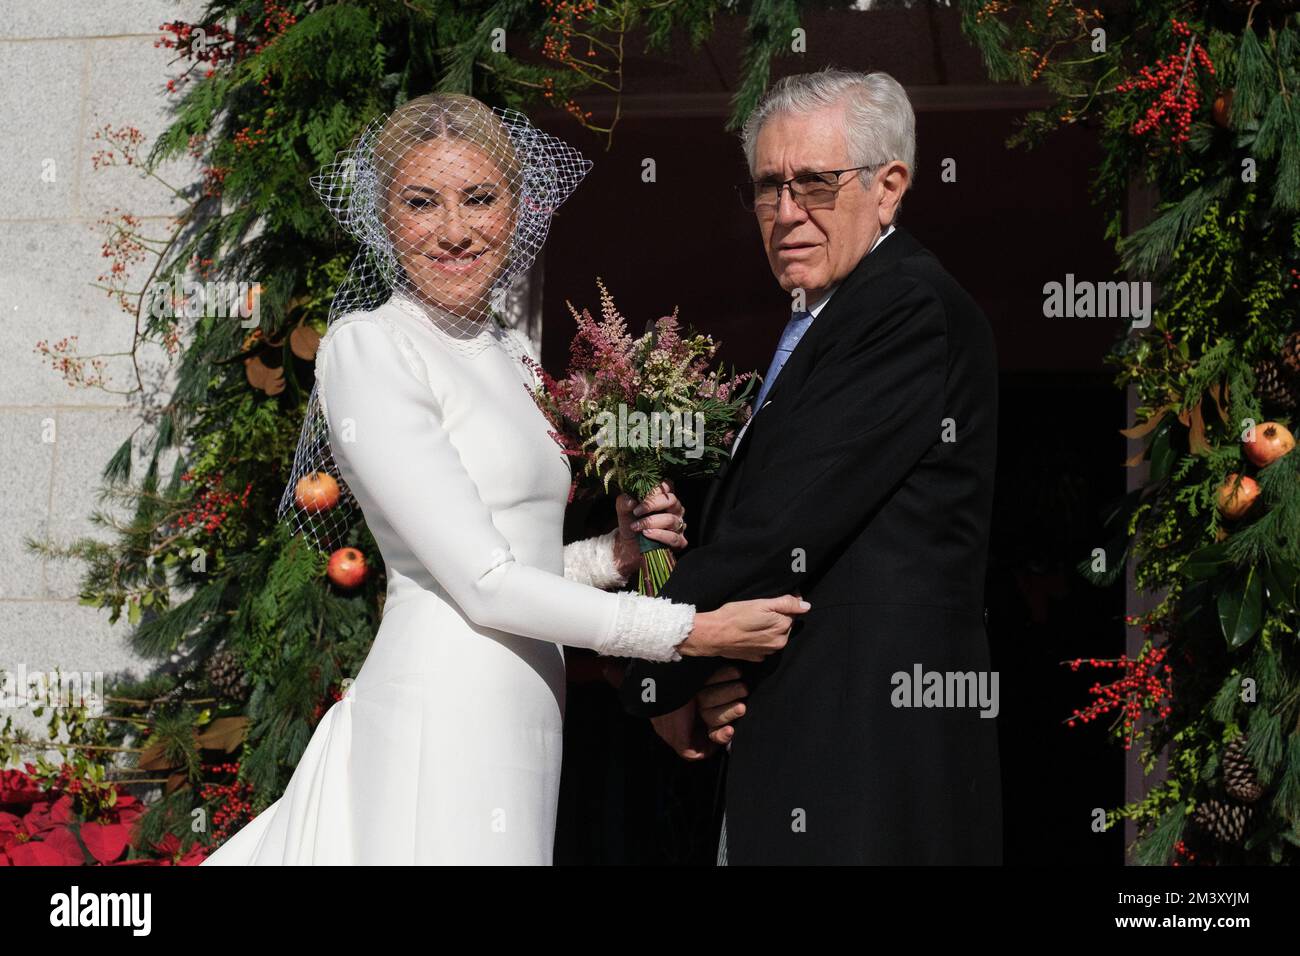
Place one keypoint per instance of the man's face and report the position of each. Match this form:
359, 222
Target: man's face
812, 249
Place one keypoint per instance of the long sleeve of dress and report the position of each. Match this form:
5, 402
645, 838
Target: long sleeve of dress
400, 461
590, 560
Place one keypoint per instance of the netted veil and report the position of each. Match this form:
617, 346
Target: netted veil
450, 201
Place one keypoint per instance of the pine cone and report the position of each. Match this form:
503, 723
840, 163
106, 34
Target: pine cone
1239, 777
1291, 353
1274, 386
226, 676
1225, 822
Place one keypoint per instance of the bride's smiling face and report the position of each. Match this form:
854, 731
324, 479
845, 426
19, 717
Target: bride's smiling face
451, 214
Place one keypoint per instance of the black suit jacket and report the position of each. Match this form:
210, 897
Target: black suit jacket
865, 483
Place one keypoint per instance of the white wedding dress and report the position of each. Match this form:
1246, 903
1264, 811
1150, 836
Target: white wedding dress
446, 748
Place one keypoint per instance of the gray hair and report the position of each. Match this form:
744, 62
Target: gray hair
879, 125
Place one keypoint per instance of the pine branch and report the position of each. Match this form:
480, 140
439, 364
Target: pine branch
768, 34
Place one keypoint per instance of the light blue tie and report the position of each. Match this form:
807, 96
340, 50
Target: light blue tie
794, 330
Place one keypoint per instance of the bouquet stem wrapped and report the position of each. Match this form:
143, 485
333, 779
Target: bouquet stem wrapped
657, 563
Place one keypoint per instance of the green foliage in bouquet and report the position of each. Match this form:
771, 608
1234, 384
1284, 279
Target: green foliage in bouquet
1201, 106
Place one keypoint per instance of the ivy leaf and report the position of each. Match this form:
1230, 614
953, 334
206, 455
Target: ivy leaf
1279, 585
1206, 562
1162, 453
1242, 610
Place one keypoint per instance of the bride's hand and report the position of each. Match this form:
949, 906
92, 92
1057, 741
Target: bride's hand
744, 630
659, 516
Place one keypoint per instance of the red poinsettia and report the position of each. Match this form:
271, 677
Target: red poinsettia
40, 826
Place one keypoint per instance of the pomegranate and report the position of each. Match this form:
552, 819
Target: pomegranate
1237, 495
347, 567
1271, 442
316, 492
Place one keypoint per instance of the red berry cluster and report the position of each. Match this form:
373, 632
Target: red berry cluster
218, 45
561, 25
126, 139
1178, 98
278, 19
202, 266
212, 506
334, 695
123, 244
1182, 854
234, 805
557, 45
78, 371
1145, 685
991, 9
214, 178
249, 138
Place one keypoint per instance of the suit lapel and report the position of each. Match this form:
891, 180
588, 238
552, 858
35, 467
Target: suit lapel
899, 245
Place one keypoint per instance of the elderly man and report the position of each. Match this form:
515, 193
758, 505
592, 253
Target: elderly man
864, 481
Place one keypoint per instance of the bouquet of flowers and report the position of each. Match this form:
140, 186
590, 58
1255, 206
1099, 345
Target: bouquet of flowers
632, 412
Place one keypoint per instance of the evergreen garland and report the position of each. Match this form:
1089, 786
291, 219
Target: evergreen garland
1197, 99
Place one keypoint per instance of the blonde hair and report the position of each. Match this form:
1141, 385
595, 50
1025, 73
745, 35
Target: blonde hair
444, 115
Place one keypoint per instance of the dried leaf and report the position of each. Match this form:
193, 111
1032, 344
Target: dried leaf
257, 372
1148, 426
274, 383
224, 733
1196, 436
1219, 392
304, 341
151, 758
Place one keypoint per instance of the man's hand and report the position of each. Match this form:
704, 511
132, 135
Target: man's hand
720, 703
696, 729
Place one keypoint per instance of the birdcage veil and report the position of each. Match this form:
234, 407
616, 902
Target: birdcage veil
450, 202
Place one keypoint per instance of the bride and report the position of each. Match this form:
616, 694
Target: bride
446, 747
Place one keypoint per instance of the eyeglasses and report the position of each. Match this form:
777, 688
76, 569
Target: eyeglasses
809, 190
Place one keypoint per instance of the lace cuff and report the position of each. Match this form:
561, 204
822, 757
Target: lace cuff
649, 628
591, 561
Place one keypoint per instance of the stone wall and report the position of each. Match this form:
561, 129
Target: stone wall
67, 69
